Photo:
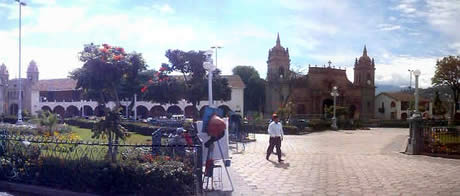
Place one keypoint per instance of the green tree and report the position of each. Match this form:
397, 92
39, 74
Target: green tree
105, 69
447, 73
438, 107
49, 120
254, 93
192, 79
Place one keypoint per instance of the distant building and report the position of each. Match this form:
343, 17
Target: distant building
396, 106
311, 93
61, 97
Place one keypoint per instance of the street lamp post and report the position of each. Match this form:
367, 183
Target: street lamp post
210, 67
410, 78
334, 93
215, 49
20, 85
416, 74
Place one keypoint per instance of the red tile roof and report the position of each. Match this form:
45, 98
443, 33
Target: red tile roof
65, 84
234, 81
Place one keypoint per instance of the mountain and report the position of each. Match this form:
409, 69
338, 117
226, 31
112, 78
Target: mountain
387, 88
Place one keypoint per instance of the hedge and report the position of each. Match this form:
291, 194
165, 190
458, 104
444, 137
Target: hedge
137, 176
140, 128
13, 119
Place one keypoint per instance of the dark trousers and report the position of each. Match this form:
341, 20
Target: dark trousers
274, 141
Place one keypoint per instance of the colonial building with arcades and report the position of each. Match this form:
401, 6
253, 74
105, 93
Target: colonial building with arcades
311, 93
61, 97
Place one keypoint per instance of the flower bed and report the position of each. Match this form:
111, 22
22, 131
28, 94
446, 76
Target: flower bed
137, 171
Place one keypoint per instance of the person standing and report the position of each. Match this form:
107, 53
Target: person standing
275, 130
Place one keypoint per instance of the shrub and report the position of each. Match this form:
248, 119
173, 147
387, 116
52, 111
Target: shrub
136, 127
319, 124
139, 174
290, 130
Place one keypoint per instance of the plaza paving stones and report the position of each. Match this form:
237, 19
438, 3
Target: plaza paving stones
363, 162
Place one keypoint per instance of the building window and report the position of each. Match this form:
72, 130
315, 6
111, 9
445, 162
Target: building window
281, 71
393, 104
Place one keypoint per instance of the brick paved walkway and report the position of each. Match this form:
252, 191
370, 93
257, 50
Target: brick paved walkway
344, 163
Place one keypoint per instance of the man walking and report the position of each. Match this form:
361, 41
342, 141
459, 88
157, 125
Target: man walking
275, 130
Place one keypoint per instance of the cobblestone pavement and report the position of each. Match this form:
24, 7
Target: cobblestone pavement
344, 163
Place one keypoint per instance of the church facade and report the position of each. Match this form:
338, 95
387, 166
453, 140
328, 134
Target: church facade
310, 94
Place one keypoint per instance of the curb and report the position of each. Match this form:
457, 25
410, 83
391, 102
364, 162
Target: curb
38, 190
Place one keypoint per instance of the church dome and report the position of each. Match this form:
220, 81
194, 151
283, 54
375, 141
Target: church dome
32, 67
364, 59
3, 69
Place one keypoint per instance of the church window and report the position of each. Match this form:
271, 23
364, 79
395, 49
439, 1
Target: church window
282, 98
369, 109
393, 104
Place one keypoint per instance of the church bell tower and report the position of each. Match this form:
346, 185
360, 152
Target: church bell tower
278, 64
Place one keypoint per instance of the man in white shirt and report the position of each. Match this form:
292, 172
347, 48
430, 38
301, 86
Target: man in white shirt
275, 130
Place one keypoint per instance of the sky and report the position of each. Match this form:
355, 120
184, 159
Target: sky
399, 34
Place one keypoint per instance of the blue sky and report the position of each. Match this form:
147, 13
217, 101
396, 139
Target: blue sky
400, 35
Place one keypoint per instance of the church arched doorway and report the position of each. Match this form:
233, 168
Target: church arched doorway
326, 104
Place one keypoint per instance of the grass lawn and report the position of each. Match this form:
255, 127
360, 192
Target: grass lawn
134, 138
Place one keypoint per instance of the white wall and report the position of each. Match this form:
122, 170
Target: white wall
236, 103
387, 103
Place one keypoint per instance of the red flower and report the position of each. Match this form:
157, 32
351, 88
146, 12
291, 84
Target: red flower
121, 50
163, 69
144, 89
150, 81
106, 46
104, 50
117, 57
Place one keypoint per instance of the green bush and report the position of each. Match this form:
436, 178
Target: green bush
140, 128
82, 123
13, 119
394, 123
290, 130
136, 127
140, 174
319, 124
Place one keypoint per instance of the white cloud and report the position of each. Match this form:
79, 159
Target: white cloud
407, 8
395, 71
13, 10
444, 16
45, 2
164, 9
388, 27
